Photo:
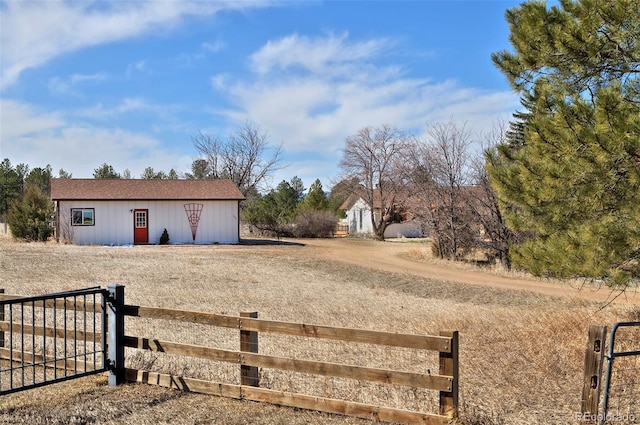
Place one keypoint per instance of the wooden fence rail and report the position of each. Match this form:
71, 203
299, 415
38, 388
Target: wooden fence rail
446, 382
424, 342
249, 359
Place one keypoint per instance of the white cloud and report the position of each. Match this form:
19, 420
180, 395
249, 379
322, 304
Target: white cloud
82, 78
214, 46
219, 81
137, 67
330, 54
312, 93
21, 120
34, 32
126, 106
37, 138
68, 86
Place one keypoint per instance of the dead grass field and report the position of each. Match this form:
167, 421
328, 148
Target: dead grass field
521, 353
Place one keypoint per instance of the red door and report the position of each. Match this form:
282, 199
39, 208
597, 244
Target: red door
140, 226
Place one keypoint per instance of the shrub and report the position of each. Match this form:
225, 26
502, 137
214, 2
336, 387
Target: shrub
164, 238
30, 218
314, 224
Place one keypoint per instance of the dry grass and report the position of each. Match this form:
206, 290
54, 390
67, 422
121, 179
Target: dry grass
521, 354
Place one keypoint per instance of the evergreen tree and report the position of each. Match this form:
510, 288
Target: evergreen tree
287, 197
150, 174
338, 194
10, 186
30, 218
41, 178
574, 186
173, 175
199, 170
316, 199
106, 171
515, 133
263, 213
62, 174
276, 211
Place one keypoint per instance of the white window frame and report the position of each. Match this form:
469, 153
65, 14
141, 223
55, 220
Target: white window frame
87, 216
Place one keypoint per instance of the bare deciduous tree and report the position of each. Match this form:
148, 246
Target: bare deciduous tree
484, 202
64, 227
441, 179
373, 161
245, 157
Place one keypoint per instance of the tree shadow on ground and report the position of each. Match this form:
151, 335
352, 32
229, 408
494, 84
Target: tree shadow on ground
259, 242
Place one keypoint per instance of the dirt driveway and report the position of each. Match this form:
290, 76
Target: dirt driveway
394, 256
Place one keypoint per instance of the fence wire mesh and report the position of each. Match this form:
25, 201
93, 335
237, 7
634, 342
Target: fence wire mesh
621, 400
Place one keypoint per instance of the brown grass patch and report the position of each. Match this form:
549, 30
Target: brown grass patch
521, 353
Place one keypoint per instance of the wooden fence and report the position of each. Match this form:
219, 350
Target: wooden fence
249, 359
619, 382
445, 382
342, 229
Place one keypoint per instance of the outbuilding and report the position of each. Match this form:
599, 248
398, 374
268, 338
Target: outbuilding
358, 218
136, 212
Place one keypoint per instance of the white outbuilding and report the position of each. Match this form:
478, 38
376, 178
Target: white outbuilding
136, 212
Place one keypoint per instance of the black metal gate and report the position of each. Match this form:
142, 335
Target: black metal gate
52, 338
621, 401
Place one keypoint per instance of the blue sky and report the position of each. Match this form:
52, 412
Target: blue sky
130, 82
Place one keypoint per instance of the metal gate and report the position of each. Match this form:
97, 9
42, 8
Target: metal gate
52, 338
621, 400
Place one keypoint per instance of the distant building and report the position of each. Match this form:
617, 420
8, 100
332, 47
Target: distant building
127, 212
358, 219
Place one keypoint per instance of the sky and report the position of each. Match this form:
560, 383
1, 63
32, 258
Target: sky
130, 83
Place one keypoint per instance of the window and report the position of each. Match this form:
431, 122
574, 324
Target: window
82, 217
141, 219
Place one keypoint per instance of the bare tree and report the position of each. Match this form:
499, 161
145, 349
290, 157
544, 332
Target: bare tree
484, 202
441, 179
373, 162
64, 227
245, 157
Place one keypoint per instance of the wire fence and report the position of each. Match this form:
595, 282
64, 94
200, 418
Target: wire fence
621, 400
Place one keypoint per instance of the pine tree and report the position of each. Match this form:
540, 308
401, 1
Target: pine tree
106, 171
316, 199
276, 211
30, 218
573, 188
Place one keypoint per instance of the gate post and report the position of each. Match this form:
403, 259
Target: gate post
115, 307
2, 318
593, 360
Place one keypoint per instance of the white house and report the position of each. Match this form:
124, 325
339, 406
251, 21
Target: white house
358, 215
125, 212
358, 219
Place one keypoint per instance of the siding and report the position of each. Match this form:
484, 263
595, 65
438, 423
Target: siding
114, 222
359, 217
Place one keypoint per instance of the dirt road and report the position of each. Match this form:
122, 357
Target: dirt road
393, 257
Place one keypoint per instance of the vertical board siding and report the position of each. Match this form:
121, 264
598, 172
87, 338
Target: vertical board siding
114, 222
364, 226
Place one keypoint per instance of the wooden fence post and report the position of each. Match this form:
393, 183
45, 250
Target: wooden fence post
593, 360
2, 318
249, 343
449, 366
